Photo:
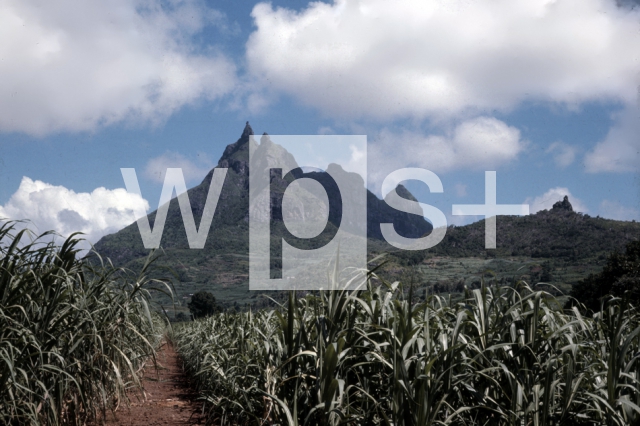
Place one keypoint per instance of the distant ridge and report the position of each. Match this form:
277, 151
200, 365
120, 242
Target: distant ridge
559, 233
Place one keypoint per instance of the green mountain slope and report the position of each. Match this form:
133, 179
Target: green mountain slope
223, 262
559, 233
558, 243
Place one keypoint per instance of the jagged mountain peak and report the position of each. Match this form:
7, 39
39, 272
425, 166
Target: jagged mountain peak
563, 205
403, 192
265, 139
236, 155
229, 230
248, 131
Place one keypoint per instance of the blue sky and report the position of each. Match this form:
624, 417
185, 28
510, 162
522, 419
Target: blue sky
544, 92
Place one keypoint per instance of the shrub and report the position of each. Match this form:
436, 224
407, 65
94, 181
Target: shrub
203, 304
620, 277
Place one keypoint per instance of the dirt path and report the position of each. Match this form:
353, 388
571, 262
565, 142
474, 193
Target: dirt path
170, 398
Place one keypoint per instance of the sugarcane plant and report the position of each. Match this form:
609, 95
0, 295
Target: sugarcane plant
74, 332
503, 355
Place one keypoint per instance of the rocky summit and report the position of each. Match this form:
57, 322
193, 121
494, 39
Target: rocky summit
229, 232
563, 205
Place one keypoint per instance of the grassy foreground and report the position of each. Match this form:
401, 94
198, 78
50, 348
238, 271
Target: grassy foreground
72, 336
503, 356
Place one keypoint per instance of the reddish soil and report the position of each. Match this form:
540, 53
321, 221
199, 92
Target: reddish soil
170, 399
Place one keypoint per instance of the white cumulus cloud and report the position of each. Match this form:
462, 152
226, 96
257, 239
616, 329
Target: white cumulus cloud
620, 149
50, 207
440, 59
553, 195
73, 66
479, 143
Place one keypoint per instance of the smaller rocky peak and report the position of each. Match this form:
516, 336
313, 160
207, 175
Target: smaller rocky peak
270, 155
353, 178
563, 205
336, 168
265, 139
403, 192
404, 197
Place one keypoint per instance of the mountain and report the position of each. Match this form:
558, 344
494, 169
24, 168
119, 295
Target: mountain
224, 259
570, 244
558, 233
